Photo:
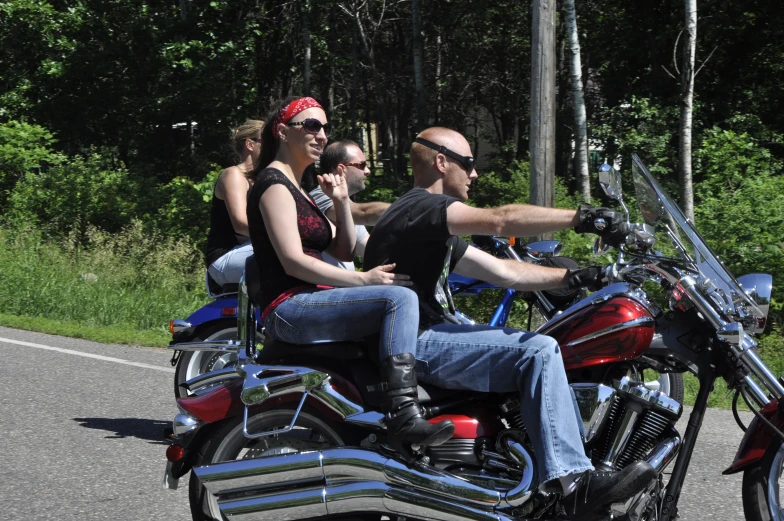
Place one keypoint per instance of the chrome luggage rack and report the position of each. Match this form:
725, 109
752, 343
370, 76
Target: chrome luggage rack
262, 382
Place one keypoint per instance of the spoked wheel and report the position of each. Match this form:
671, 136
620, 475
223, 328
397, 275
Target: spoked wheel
310, 433
670, 384
763, 486
194, 363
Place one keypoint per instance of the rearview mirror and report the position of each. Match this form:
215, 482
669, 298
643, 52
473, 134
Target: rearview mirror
610, 181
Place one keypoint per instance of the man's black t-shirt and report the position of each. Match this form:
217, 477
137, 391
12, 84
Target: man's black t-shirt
413, 234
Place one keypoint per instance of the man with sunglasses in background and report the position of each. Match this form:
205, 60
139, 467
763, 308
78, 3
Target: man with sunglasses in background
419, 233
346, 158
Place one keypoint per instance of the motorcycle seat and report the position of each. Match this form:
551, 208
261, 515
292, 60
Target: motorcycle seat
274, 350
216, 289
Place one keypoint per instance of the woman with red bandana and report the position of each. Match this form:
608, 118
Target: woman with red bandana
304, 299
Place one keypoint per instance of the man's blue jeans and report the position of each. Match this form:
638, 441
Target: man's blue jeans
339, 314
494, 359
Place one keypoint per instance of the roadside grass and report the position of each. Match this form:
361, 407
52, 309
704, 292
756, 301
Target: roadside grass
103, 334
118, 288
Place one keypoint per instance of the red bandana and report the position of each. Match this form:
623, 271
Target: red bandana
294, 108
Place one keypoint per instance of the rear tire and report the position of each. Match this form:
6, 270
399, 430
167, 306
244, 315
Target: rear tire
194, 363
230, 443
762, 497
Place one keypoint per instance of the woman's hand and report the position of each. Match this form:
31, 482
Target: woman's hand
334, 186
382, 275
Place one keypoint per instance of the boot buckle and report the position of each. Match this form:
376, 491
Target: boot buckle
381, 387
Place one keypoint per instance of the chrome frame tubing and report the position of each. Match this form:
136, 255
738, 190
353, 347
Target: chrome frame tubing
209, 345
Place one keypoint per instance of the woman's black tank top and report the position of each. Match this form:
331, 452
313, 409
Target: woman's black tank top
314, 232
222, 236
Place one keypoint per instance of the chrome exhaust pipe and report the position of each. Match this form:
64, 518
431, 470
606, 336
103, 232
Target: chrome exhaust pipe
357, 480
663, 453
351, 498
340, 465
282, 470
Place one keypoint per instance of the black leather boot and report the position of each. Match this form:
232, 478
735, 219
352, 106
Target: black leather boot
403, 415
596, 489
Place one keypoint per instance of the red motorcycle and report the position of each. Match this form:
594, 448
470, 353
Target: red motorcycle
297, 435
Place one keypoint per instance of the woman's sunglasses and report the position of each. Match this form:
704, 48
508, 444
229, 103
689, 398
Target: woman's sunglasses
311, 126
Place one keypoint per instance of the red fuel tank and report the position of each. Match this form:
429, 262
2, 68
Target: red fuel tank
611, 328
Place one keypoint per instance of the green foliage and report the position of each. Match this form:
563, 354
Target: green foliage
739, 205
75, 195
130, 279
181, 207
641, 126
23, 148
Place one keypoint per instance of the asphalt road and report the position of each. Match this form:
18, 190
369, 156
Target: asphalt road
81, 424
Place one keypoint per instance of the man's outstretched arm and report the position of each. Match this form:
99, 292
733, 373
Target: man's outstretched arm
507, 273
363, 213
368, 213
513, 220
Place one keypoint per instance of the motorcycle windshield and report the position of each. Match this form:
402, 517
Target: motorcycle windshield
672, 227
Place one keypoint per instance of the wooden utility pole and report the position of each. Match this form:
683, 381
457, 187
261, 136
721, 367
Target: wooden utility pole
543, 103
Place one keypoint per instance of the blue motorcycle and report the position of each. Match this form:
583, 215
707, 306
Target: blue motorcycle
215, 321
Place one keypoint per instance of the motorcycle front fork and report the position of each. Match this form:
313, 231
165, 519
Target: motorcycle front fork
707, 376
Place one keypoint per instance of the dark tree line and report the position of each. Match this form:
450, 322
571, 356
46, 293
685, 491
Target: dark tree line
160, 83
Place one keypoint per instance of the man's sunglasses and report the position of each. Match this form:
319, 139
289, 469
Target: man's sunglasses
467, 162
361, 165
311, 126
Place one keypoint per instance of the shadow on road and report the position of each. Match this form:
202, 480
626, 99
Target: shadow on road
150, 430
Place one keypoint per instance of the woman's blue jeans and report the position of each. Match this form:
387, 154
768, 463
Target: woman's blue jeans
336, 315
494, 359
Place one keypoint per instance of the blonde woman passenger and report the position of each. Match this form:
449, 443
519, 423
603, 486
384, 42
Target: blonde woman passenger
228, 243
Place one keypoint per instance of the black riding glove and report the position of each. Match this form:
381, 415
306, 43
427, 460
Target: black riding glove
591, 278
605, 222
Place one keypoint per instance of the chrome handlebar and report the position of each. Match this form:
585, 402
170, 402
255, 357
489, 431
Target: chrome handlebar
729, 331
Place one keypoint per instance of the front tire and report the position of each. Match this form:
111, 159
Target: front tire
670, 384
762, 486
230, 443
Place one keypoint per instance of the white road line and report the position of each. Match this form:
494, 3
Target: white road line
88, 355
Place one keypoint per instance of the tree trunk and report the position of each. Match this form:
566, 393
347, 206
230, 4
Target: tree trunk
183, 10
687, 98
543, 104
419, 75
438, 76
580, 121
306, 48
385, 135
353, 93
